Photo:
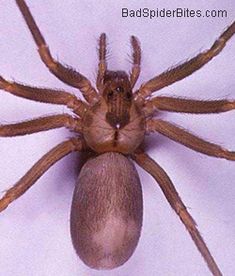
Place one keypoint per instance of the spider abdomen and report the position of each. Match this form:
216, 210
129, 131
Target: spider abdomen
106, 214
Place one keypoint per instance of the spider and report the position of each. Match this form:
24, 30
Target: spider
112, 124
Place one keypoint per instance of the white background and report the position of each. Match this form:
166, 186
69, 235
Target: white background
34, 230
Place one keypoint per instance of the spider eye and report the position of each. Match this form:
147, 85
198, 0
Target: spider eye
110, 94
119, 89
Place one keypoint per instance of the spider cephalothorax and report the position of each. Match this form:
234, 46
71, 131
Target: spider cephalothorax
107, 207
115, 122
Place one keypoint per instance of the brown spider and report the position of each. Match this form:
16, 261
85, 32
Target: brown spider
113, 124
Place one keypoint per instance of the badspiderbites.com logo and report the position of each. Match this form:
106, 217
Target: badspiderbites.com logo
174, 13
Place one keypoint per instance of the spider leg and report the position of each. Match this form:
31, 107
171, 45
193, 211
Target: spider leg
176, 203
102, 67
185, 69
44, 95
136, 59
188, 105
49, 159
41, 124
189, 140
66, 74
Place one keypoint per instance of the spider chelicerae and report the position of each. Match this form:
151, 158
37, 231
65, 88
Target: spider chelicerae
112, 123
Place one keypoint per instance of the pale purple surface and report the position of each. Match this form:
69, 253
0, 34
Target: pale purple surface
34, 230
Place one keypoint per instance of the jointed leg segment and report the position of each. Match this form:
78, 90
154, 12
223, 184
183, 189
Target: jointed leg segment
54, 155
188, 106
189, 140
65, 74
183, 70
44, 95
176, 203
41, 124
102, 67
136, 59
